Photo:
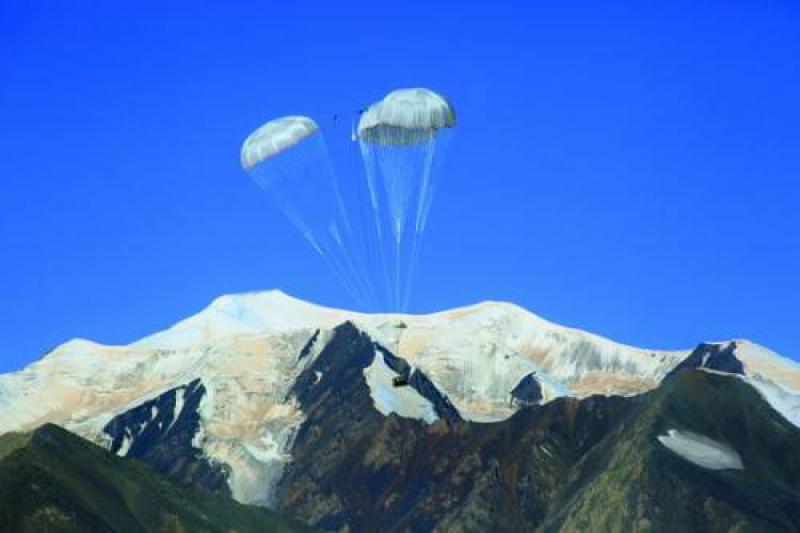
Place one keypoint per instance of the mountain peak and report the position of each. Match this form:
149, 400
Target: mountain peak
487, 361
248, 313
271, 311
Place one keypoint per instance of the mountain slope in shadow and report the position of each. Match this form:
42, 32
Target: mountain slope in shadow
702, 452
52, 480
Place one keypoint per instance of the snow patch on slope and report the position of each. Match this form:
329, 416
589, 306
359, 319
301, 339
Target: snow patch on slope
404, 401
127, 440
702, 450
776, 378
247, 421
786, 402
478, 354
763, 363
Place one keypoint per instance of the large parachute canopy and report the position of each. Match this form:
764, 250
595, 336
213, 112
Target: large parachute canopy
402, 138
288, 158
406, 116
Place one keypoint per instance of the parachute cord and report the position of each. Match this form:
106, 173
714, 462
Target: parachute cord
352, 255
425, 197
370, 165
325, 240
398, 262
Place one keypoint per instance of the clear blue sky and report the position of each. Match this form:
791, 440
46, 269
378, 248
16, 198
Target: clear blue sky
624, 169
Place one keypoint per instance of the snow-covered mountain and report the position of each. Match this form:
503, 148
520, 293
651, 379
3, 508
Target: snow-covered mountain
217, 385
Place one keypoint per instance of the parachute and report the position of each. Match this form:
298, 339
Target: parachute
402, 140
288, 159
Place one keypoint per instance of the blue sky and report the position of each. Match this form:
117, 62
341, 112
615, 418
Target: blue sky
624, 169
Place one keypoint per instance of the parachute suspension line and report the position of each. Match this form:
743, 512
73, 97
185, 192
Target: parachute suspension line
328, 256
425, 196
400, 168
397, 266
349, 246
426, 189
399, 139
341, 270
347, 265
295, 218
288, 159
442, 142
328, 241
338, 272
289, 212
371, 164
367, 238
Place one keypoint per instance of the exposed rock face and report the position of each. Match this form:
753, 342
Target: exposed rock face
528, 391
420, 382
162, 432
719, 357
557, 466
589, 465
309, 345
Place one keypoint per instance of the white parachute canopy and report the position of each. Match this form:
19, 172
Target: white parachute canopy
274, 137
402, 140
288, 158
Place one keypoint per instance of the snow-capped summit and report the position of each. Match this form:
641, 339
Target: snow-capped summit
252, 313
244, 353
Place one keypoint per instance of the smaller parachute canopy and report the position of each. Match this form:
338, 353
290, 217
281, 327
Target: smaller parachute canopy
274, 137
406, 116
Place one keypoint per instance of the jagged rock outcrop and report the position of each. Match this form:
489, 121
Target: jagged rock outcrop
162, 432
719, 357
528, 391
